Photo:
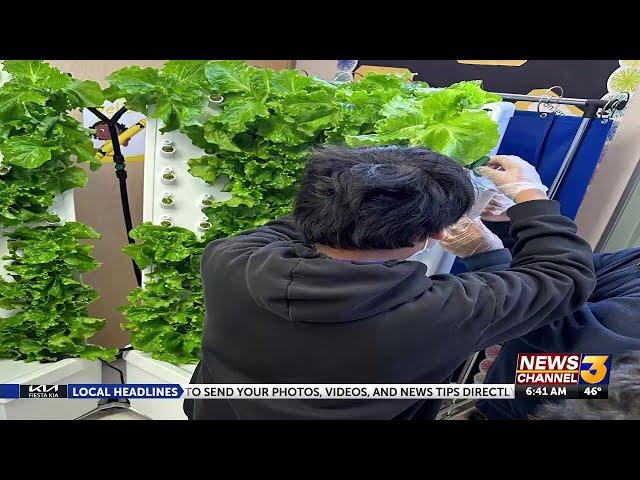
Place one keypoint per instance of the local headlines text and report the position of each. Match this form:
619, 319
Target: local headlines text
262, 391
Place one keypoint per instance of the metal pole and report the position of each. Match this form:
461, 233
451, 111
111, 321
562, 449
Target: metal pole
561, 100
566, 163
450, 411
464, 375
466, 370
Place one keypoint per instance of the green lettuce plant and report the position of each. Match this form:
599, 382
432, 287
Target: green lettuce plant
51, 320
166, 316
40, 145
258, 138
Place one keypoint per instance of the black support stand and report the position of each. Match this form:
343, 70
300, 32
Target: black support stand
121, 174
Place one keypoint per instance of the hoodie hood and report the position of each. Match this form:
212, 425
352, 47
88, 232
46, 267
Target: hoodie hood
297, 283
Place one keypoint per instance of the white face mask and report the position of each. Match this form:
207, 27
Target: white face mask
420, 255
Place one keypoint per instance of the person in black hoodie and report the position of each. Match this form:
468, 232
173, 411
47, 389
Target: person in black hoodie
608, 322
333, 294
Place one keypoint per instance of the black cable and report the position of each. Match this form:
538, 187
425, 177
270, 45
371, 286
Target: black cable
124, 200
121, 374
121, 350
117, 370
121, 174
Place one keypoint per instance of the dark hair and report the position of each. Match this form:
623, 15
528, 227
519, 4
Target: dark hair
623, 402
119, 125
379, 197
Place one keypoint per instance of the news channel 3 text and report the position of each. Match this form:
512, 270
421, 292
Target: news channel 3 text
562, 375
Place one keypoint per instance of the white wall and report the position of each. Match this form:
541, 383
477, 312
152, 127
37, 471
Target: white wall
324, 69
612, 175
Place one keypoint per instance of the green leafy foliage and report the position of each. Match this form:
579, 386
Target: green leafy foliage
257, 140
50, 321
177, 93
40, 145
166, 316
39, 141
259, 137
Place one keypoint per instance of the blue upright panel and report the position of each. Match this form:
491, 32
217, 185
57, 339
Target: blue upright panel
544, 142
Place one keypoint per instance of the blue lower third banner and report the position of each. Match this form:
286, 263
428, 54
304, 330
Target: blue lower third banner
265, 391
9, 390
129, 390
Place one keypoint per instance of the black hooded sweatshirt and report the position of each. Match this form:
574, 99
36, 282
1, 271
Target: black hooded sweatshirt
278, 311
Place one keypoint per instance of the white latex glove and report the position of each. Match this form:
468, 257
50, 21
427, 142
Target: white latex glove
468, 237
512, 175
488, 200
498, 204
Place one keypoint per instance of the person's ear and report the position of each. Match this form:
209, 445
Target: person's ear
438, 236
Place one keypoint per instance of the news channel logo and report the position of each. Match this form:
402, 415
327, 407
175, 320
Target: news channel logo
563, 375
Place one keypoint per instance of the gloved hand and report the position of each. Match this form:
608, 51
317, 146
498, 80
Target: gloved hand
498, 204
515, 175
487, 198
468, 237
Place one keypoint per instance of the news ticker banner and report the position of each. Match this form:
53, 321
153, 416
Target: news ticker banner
549, 375
253, 391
